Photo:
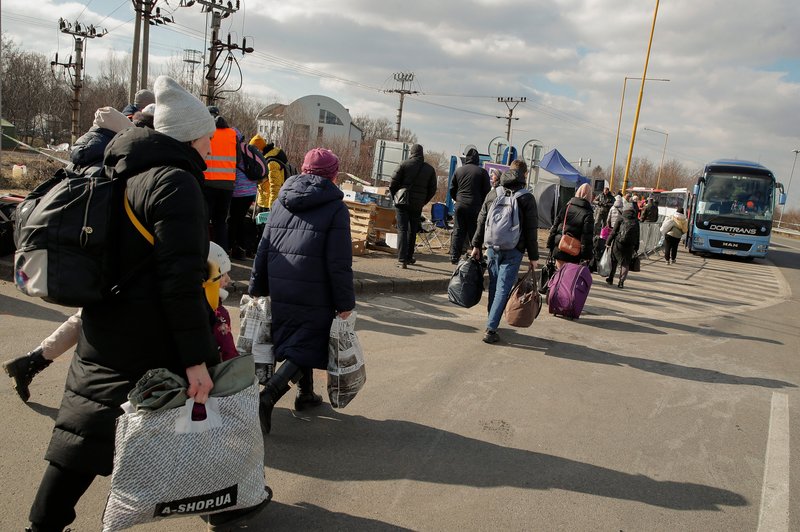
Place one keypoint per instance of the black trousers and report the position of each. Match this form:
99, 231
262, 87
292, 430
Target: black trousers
671, 247
466, 221
59, 492
236, 221
218, 202
408, 225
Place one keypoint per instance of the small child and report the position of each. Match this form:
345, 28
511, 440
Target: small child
219, 264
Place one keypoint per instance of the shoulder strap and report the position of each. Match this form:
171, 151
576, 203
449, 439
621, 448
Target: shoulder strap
564, 227
135, 221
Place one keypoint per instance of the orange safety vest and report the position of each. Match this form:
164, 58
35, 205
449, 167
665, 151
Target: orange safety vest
222, 161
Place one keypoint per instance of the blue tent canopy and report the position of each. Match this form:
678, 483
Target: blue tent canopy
555, 163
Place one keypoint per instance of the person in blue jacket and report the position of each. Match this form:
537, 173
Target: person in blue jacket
304, 263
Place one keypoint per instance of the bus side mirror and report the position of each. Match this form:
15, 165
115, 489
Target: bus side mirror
782, 199
696, 190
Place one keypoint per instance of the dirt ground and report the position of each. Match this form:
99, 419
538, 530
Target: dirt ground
40, 168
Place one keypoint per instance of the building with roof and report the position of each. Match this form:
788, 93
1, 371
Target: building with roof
313, 120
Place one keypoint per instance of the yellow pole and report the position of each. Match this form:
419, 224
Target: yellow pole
616, 142
639, 103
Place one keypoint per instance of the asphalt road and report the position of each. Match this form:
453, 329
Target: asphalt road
670, 405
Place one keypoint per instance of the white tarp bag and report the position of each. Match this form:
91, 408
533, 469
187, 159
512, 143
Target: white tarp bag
604, 266
346, 371
166, 465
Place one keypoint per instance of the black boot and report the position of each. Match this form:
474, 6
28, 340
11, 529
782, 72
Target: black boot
306, 398
22, 370
276, 387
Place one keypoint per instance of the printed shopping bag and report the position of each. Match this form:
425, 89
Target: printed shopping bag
346, 371
255, 334
167, 465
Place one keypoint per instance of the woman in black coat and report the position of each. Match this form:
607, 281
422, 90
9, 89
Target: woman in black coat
579, 224
624, 243
160, 319
305, 264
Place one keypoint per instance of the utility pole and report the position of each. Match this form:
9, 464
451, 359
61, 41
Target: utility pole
147, 14
219, 11
79, 34
403, 78
137, 30
508, 101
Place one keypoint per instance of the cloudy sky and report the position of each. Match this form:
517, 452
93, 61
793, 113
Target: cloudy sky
733, 66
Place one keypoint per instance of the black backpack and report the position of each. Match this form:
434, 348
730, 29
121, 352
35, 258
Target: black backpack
62, 234
625, 236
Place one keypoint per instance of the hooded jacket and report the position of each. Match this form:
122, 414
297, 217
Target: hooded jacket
161, 318
623, 253
416, 175
470, 182
305, 264
579, 224
675, 226
512, 181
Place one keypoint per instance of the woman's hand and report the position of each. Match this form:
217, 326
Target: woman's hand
475, 253
345, 314
200, 383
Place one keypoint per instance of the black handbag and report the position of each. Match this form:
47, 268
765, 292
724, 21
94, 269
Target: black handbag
547, 271
401, 197
636, 264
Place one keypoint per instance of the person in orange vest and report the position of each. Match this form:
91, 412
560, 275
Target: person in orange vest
220, 178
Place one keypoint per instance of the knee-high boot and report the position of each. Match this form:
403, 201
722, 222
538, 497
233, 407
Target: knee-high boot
306, 398
276, 387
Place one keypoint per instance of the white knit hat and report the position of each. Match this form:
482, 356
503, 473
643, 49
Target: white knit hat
110, 118
179, 114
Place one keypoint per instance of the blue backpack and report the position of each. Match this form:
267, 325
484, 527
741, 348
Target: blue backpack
502, 220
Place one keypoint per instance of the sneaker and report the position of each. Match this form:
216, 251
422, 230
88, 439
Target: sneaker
491, 337
411, 261
233, 520
610, 282
619, 285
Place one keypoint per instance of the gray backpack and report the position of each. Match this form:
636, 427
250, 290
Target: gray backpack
502, 220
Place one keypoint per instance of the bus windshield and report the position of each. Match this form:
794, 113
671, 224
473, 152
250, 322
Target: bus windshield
737, 196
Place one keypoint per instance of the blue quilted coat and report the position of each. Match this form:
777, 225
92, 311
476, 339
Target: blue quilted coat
305, 264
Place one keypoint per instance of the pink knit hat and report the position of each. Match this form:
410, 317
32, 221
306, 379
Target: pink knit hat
321, 162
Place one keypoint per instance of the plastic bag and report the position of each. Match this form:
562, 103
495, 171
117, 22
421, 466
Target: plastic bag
548, 271
346, 371
167, 465
466, 284
255, 334
525, 302
604, 266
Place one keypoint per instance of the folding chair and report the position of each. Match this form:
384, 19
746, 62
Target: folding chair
427, 234
441, 219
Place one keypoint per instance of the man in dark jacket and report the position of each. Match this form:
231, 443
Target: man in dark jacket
418, 178
468, 189
305, 263
504, 264
160, 319
602, 205
650, 211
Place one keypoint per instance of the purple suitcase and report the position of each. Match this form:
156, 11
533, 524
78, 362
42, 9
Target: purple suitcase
569, 288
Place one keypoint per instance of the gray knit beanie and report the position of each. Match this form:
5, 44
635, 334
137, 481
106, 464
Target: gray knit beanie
143, 98
179, 114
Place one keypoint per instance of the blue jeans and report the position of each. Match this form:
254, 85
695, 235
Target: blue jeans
503, 273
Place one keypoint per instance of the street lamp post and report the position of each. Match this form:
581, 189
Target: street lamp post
663, 152
789, 186
619, 123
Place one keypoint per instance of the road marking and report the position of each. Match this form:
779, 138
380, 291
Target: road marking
774, 513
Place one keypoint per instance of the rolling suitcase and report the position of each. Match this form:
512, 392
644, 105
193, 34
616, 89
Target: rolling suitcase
569, 288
